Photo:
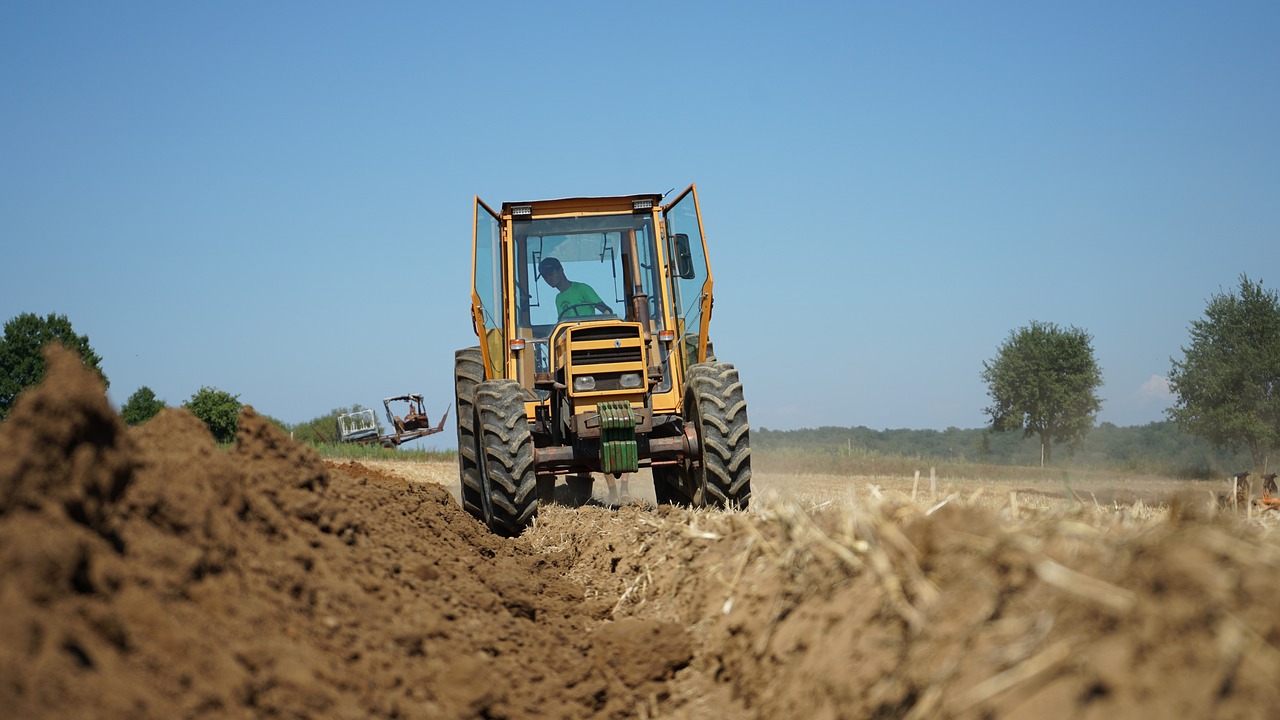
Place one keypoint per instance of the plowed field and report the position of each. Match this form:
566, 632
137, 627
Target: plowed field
146, 573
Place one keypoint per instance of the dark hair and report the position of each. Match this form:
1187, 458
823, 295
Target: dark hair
549, 263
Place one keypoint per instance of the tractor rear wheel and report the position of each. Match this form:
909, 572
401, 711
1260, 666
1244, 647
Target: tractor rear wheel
506, 457
468, 373
715, 405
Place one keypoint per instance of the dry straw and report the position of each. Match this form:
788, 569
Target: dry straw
746, 574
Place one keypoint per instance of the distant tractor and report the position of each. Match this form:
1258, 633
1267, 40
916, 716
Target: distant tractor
361, 427
594, 356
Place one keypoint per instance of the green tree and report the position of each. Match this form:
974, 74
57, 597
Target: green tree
1043, 381
141, 406
219, 410
21, 358
1227, 386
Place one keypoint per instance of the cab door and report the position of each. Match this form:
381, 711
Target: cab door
690, 273
487, 288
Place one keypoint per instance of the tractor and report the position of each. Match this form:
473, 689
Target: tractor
594, 357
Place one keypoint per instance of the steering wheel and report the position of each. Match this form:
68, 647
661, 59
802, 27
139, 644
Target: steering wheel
578, 305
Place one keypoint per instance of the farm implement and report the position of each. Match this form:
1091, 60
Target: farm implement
361, 427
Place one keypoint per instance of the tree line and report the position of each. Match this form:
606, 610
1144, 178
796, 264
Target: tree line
1043, 380
22, 366
1159, 448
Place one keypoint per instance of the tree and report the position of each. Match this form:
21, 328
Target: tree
141, 406
21, 353
219, 410
1227, 386
1043, 381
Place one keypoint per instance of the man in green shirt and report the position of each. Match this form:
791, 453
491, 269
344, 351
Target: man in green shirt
575, 299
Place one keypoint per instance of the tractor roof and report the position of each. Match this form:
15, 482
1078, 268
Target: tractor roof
617, 203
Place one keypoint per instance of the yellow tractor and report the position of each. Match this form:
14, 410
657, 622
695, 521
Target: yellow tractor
592, 315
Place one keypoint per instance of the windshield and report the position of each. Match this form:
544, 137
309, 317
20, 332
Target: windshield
583, 267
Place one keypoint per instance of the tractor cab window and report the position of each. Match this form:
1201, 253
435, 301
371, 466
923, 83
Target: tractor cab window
486, 282
690, 274
576, 278
583, 268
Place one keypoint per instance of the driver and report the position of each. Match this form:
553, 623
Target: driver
575, 299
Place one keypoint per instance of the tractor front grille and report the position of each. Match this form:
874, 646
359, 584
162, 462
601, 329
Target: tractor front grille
606, 352
600, 356
610, 331
612, 344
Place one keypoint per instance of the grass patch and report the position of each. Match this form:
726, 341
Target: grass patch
377, 452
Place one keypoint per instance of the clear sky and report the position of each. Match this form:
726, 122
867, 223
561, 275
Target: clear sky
274, 199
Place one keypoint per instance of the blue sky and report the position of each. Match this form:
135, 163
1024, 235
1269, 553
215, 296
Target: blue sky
274, 199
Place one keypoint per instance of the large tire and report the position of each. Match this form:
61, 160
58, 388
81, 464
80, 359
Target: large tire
468, 373
715, 406
506, 457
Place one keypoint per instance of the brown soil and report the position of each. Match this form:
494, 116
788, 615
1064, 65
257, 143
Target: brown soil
146, 573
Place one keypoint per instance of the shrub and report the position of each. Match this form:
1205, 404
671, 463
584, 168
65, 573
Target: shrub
219, 410
141, 406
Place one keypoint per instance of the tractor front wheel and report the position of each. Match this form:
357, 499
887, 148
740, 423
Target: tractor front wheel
506, 457
715, 405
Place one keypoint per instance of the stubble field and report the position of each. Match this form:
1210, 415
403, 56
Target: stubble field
146, 573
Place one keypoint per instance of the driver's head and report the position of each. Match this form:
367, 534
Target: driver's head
551, 270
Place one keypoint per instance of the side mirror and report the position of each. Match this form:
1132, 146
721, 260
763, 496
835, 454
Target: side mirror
684, 257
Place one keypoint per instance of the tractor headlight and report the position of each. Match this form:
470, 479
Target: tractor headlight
583, 383
629, 380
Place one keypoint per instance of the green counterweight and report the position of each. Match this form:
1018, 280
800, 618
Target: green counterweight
617, 438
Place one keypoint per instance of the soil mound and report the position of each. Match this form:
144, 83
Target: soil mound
146, 573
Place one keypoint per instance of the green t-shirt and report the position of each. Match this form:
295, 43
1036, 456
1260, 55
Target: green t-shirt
576, 294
